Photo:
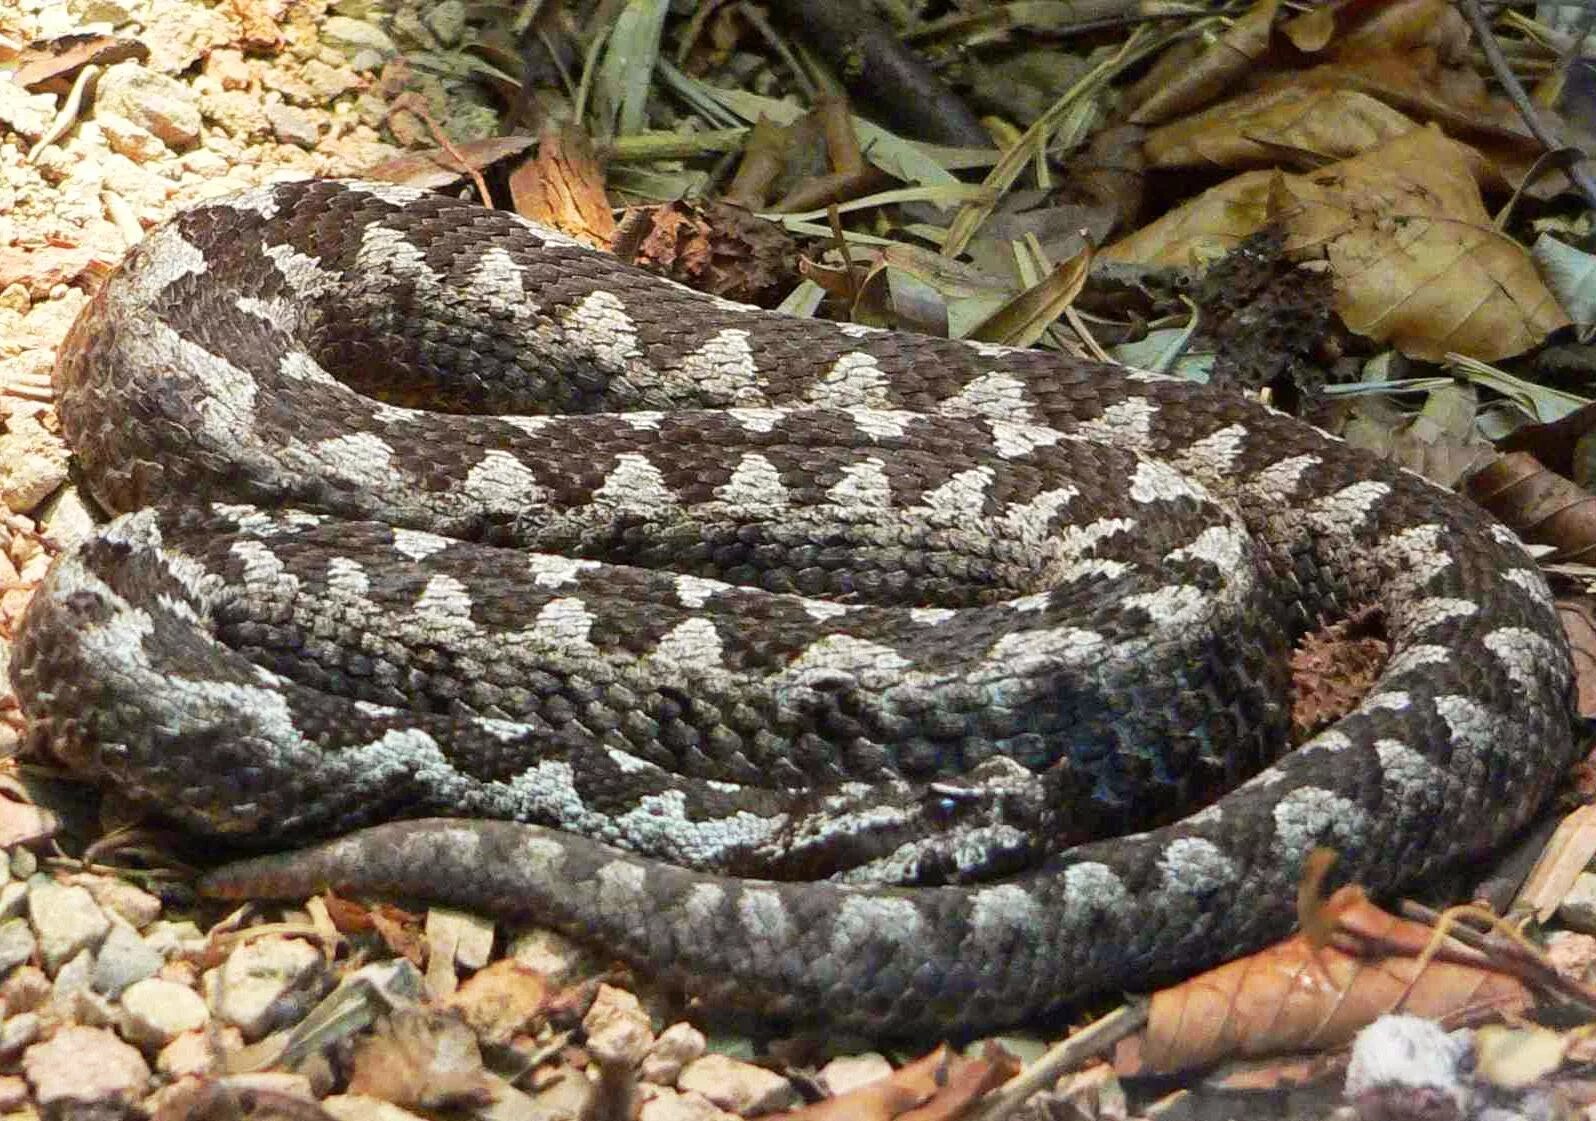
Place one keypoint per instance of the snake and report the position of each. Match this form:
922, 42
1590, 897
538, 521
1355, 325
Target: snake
830, 675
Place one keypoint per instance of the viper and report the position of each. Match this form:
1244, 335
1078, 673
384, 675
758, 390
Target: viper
831, 674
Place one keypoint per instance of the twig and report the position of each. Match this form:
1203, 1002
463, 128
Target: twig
879, 70
1577, 173
1065, 1056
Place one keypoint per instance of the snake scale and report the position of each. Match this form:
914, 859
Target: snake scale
803, 664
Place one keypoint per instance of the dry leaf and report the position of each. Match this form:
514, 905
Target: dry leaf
1414, 256
564, 187
1184, 84
1297, 125
1543, 508
1579, 623
1291, 997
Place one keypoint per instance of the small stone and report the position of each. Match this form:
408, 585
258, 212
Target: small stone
114, 895
618, 1030
28, 114
228, 68
154, 102
676, 1046
66, 519
501, 1001
738, 1087
328, 83
175, 939
13, 1092
15, 297
24, 862
86, 1069
1572, 954
25, 989
266, 984
65, 919
13, 900
155, 1012
664, 1104
447, 20
557, 957
16, 944
366, 45
852, 1071
113, 12
1578, 908
124, 958
293, 126
198, 1052
74, 977
359, 1107
125, 138
33, 464
456, 938
19, 1031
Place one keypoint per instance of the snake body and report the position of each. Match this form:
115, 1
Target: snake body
798, 662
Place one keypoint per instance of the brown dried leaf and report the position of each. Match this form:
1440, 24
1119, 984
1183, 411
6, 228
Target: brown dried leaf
1543, 508
1292, 997
564, 186
1179, 83
1411, 248
1025, 318
1296, 125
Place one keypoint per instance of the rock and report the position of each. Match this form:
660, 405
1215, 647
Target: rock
124, 958
28, 114
618, 1030
737, 1086
175, 939
1572, 954
366, 45
456, 938
228, 68
26, 989
115, 896
65, 919
74, 977
113, 12
359, 1107
266, 984
179, 32
154, 102
500, 1001
13, 1093
557, 957
67, 520
13, 900
155, 1012
664, 1104
33, 463
16, 944
199, 1051
293, 126
240, 112
447, 20
676, 1046
125, 138
327, 83
19, 1031
85, 1069
1578, 908
852, 1071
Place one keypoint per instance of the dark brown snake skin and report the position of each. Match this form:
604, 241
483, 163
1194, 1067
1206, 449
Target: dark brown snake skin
814, 653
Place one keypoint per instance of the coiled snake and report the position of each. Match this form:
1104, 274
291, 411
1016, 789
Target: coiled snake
815, 653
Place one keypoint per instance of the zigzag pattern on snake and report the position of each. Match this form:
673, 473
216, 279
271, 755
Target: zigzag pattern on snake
797, 662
